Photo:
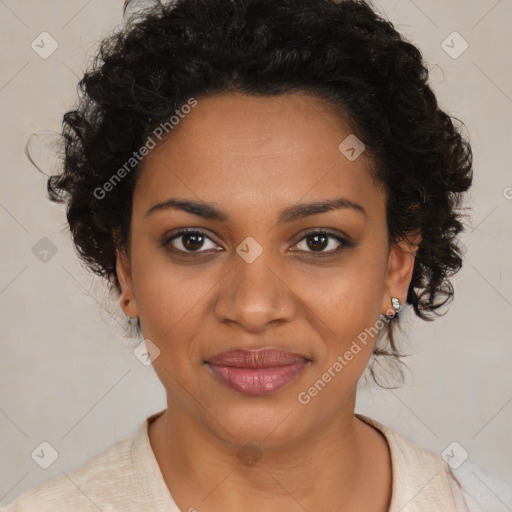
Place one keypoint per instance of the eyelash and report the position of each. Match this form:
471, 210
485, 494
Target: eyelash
187, 231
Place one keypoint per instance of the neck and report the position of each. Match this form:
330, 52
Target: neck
333, 466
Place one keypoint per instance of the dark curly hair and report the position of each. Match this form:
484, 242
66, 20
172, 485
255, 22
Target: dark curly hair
342, 51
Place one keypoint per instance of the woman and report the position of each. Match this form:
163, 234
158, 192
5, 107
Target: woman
265, 184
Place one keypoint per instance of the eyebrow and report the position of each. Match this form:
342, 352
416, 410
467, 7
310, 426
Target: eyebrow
287, 215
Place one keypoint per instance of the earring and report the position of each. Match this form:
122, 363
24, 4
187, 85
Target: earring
130, 318
396, 304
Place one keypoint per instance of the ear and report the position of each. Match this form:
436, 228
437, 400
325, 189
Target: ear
124, 275
399, 272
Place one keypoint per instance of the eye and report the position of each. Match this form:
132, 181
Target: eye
190, 240
318, 240
194, 241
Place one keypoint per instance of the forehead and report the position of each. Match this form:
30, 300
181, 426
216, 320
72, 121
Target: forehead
245, 151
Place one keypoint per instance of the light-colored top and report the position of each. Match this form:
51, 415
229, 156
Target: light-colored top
126, 477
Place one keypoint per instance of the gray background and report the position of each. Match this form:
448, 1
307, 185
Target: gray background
70, 378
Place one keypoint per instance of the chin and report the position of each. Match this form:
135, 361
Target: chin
257, 422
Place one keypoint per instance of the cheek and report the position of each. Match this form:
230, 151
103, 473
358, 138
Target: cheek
169, 309
169, 304
345, 297
349, 323
168, 295
344, 308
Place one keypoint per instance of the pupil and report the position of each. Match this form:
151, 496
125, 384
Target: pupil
193, 241
316, 245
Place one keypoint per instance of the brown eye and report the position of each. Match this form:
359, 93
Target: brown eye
190, 241
318, 241
193, 242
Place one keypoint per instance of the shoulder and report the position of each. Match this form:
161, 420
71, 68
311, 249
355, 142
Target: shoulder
479, 491
423, 478
87, 487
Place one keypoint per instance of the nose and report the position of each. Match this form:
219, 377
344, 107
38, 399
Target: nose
254, 295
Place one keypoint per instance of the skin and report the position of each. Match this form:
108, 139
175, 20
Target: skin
252, 157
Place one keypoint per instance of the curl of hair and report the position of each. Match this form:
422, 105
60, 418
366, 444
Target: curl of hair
342, 51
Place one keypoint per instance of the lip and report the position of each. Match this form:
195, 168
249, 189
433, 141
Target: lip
257, 372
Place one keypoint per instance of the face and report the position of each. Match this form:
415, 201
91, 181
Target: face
257, 268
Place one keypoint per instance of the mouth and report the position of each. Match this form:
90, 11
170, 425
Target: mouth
257, 372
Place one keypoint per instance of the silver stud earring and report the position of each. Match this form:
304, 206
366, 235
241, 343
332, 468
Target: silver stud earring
396, 304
